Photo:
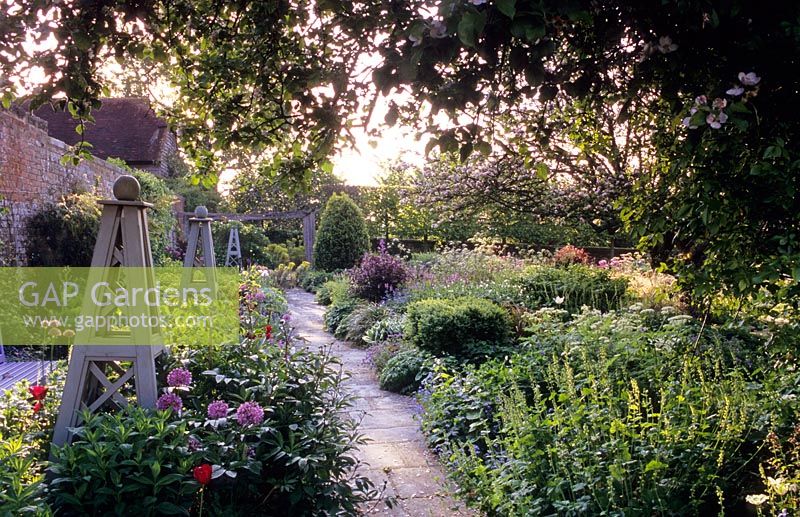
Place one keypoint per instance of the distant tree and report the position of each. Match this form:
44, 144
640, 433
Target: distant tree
342, 238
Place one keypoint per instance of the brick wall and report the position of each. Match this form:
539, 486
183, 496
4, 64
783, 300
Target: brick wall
32, 176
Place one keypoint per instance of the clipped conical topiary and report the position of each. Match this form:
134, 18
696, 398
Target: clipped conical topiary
342, 238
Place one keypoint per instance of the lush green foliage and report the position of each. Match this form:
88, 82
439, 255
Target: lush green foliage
160, 219
469, 328
355, 325
63, 234
637, 412
129, 462
404, 371
342, 238
312, 279
334, 290
252, 241
539, 286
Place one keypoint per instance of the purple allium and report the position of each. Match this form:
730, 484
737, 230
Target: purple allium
170, 401
249, 413
194, 444
218, 409
179, 377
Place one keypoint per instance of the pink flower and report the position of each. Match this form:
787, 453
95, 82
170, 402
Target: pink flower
179, 377
701, 100
735, 91
665, 45
217, 409
249, 413
602, 264
719, 103
169, 401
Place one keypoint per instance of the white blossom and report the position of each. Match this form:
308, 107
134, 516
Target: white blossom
665, 45
438, 29
749, 79
735, 91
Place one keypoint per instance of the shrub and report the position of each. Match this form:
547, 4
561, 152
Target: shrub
312, 279
403, 372
342, 238
332, 291
569, 288
64, 233
275, 255
130, 462
466, 327
378, 275
569, 254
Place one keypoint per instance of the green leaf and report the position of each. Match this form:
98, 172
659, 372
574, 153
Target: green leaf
654, 465
470, 27
507, 7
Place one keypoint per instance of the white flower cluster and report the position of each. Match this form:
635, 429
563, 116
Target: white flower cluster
715, 112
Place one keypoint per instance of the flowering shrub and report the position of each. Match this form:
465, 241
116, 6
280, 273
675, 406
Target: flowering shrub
378, 275
569, 254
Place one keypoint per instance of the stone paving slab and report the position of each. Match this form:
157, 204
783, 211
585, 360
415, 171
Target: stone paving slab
395, 451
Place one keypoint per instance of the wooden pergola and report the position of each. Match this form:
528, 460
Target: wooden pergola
309, 218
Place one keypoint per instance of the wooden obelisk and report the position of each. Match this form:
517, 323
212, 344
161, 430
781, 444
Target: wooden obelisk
234, 255
105, 366
200, 253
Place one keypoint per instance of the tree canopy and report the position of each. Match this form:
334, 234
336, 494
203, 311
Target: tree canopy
694, 102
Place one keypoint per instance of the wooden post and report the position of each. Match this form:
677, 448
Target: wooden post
309, 233
122, 241
234, 255
200, 253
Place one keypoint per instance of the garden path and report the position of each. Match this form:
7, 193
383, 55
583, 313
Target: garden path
396, 451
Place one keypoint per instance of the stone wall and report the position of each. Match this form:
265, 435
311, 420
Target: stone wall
31, 176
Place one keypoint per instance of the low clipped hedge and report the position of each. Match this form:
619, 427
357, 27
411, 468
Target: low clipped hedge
464, 327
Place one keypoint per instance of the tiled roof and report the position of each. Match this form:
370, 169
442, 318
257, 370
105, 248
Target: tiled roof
124, 128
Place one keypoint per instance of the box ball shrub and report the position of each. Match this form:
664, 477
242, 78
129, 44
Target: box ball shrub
342, 238
464, 327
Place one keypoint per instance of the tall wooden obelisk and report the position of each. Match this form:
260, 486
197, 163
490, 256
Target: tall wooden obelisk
107, 367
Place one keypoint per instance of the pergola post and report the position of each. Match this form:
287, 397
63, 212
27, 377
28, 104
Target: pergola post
98, 355
309, 234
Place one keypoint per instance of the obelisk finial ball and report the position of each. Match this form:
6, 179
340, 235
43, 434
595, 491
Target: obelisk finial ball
127, 188
201, 212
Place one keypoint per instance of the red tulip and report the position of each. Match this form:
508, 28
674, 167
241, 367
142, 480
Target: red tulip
38, 392
202, 473
37, 407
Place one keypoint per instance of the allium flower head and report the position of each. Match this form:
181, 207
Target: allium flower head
249, 413
169, 401
217, 409
179, 377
